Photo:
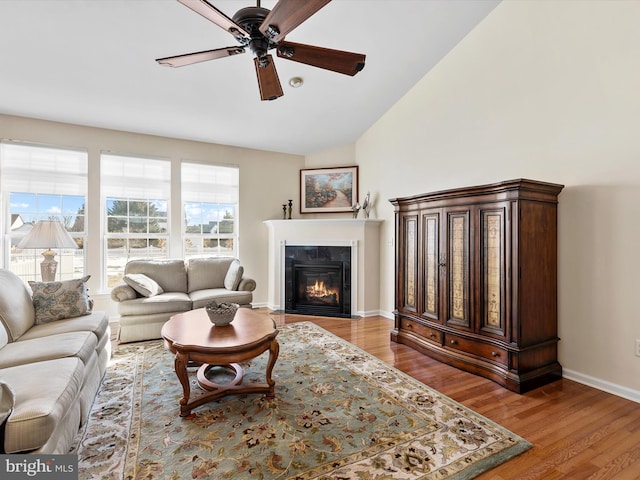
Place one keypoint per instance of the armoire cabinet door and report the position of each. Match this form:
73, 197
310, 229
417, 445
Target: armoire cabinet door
456, 264
409, 290
493, 268
431, 268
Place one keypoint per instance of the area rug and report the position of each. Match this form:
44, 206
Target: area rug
339, 413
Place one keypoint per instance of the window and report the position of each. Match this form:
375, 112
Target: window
210, 210
42, 183
135, 195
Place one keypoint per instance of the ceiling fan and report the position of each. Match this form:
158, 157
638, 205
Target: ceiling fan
261, 30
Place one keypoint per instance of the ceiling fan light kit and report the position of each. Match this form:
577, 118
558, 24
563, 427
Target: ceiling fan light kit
261, 30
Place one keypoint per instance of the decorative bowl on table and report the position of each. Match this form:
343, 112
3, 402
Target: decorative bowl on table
221, 313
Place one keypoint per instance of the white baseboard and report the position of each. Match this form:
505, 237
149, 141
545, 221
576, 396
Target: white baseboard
619, 390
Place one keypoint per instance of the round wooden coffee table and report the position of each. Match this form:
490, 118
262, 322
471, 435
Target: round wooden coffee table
194, 339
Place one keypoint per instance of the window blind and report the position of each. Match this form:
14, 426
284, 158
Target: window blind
40, 169
135, 177
210, 183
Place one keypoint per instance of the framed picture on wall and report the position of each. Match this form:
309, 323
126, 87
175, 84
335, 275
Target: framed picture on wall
328, 190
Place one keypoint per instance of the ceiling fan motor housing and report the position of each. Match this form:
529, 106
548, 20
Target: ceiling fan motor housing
250, 18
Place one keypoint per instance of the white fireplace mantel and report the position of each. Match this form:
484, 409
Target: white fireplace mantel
362, 234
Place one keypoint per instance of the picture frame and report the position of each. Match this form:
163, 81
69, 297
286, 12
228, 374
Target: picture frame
328, 190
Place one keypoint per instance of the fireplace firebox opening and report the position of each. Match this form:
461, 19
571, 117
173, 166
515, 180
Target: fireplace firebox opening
318, 280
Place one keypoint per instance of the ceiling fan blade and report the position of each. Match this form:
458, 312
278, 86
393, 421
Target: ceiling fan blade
197, 57
214, 15
287, 15
268, 80
334, 60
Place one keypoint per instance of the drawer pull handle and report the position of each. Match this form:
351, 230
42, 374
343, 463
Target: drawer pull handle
454, 342
495, 354
432, 335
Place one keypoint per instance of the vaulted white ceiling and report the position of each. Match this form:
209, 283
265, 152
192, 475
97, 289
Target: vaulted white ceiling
92, 62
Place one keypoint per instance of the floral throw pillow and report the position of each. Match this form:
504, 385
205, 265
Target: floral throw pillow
58, 300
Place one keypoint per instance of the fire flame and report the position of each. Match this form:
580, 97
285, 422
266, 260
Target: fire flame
320, 290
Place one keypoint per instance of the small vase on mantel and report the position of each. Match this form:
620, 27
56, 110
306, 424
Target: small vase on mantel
356, 210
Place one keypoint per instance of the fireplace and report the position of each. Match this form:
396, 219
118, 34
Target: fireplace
318, 280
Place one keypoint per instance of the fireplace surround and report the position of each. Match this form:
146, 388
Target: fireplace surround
361, 236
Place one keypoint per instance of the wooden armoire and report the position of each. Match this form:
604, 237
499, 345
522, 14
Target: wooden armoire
476, 279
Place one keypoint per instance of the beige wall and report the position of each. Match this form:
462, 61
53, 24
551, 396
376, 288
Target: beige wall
267, 180
548, 91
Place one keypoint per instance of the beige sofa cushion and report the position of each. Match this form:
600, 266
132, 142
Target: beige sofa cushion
74, 344
171, 275
16, 308
200, 298
207, 273
96, 322
43, 397
165, 302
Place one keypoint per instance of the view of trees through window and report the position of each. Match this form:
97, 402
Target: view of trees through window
136, 228
210, 209
50, 183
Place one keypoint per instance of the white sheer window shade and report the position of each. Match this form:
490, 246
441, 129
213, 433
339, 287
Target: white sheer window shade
210, 183
39, 169
135, 177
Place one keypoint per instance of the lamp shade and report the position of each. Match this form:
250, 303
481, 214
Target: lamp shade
47, 234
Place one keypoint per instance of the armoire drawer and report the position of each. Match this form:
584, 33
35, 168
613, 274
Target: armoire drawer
484, 350
421, 330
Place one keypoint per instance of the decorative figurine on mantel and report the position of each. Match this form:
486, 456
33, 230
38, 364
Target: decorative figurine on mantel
366, 205
290, 205
284, 211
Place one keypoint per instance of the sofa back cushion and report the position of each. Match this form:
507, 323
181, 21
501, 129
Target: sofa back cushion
16, 307
205, 273
171, 275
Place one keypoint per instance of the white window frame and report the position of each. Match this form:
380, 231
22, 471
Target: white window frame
43, 171
215, 186
133, 179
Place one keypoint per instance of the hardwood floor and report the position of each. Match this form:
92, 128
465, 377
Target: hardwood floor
578, 432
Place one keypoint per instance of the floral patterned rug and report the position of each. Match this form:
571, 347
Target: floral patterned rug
339, 413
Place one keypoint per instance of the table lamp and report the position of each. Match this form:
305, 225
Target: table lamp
48, 234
